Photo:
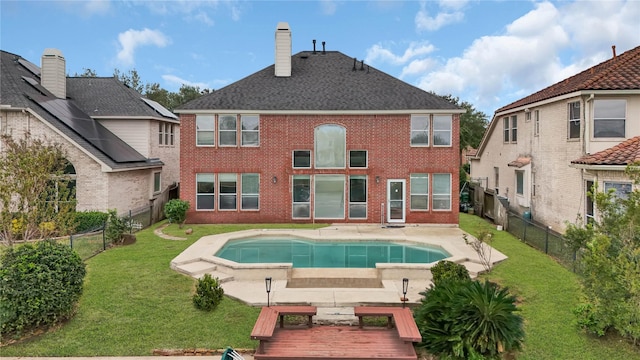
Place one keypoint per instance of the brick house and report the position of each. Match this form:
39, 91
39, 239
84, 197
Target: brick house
545, 151
124, 149
319, 136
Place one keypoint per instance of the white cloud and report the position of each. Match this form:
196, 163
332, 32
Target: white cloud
193, 10
87, 8
132, 39
177, 81
549, 43
415, 49
449, 13
204, 18
329, 7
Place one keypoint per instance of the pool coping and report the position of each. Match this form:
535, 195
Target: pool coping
245, 282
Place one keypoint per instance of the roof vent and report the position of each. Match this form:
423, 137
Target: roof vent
53, 72
323, 51
283, 50
314, 46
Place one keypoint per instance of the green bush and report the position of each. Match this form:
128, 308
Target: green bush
448, 270
208, 293
40, 284
89, 220
469, 320
116, 227
176, 211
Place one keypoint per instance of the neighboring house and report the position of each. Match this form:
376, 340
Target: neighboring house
545, 151
319, 136
123, 148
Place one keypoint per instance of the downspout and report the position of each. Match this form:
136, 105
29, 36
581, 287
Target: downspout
587, 121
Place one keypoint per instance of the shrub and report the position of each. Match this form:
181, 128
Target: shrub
208, 293
176, 211
89, 220
448, 270
40, 284
116, 227
469, 320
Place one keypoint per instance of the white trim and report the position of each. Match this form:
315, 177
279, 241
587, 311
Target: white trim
599, 167
321, 112
106, 117
404, 200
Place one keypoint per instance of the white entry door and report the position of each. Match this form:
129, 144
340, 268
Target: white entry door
395, 200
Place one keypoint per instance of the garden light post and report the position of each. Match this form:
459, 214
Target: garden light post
405, 287
267, 284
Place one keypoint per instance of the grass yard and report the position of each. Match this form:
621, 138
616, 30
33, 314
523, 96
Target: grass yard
547, 292
133, 303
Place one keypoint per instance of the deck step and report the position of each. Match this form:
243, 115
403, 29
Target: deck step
222, 277
474, 268
334, 278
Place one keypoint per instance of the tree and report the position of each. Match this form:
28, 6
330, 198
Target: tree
473, 123
36, 200
86, 73
131, 78
609, 263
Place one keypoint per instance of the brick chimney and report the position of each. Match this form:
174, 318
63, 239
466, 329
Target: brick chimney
53, 72
283, 50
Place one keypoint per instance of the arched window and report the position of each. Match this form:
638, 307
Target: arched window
330, 146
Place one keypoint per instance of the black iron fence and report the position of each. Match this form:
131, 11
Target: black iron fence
542, 238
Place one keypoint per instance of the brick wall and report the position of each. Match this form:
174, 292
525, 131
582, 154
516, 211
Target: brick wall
385, 137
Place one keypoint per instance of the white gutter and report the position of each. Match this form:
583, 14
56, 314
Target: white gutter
587, 122
320, 112
106, 117
599, 167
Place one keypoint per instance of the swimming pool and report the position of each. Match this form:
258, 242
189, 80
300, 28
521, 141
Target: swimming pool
305, 253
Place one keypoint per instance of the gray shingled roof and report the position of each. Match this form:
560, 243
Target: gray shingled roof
320, 82
108, 96
17, 93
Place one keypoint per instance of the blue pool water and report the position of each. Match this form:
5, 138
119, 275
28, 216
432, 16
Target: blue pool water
327, 254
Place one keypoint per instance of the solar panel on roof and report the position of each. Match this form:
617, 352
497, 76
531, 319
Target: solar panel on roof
159, 108
29, 66
89, 129
35, 84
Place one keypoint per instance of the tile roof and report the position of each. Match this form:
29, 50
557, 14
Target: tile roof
625, 153
320, 82
16, 92
520, 162
621, 72
108, 96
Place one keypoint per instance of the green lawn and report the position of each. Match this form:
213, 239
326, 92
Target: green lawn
133, 303
547, 292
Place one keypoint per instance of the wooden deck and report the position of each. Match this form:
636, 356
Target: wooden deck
335, 342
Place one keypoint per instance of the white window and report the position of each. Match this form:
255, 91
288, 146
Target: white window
442, 130
250, 192
520, 182
358, 158
250, 126
160, 133
419, 130
205, 130
419, 191
441, 191
574, 120
329, 197
527, 116
514, 129
302, 159
536, 122
227, 190
227, 126
301, 208
156, 182
330, 147
358, 197
205, 191
171, 133
620, 189
609, 118
506, 128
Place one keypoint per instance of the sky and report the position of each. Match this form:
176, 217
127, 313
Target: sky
488, 53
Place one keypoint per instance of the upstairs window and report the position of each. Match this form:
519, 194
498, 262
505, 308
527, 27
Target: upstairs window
609, 118
250, 126
205, 130
358, 158
330, 146
506, 127
574, 120
302, 159
442, 130
227, 126
419, 130
536, 122
514, 129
